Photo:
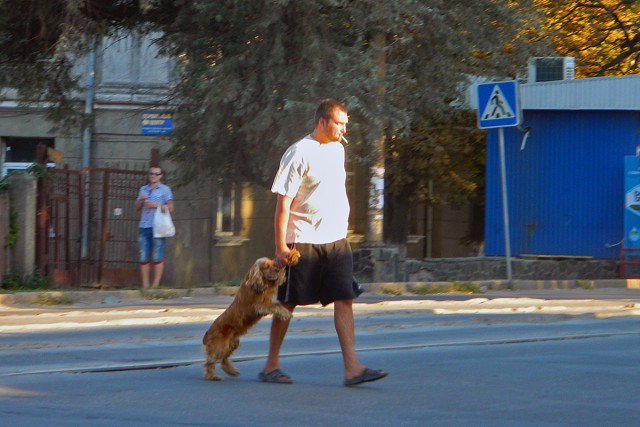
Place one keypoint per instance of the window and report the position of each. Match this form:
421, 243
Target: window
20, 153
226, 211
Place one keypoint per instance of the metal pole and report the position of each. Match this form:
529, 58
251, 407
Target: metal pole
86, 144
505, 207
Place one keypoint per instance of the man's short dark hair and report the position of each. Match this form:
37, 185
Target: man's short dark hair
325, 109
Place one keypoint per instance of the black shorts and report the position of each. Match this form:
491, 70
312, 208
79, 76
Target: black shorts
324, 273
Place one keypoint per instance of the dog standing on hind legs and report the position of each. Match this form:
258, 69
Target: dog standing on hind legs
252, 302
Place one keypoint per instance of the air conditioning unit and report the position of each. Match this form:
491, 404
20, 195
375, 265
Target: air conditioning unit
552, 68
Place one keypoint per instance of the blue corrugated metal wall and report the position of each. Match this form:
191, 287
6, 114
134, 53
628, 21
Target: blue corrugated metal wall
565, 188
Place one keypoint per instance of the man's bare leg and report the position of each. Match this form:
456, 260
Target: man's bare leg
276, 337
144, 272
343, 320
157, 273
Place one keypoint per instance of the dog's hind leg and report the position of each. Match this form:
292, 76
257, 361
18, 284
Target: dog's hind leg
210, 367
229, 368
226, 364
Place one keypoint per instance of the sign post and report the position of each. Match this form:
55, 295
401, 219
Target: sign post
498, 107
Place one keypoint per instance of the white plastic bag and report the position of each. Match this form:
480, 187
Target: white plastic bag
162, 224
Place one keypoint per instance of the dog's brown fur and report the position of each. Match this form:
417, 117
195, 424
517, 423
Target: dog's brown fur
252, 302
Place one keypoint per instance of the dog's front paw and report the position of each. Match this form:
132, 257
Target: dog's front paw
210, 375
293, 256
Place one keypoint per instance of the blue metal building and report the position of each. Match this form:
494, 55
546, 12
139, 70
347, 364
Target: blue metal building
565, 169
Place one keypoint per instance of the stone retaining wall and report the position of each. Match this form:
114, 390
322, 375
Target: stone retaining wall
383, 264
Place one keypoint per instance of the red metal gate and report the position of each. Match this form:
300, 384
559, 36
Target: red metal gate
112, 227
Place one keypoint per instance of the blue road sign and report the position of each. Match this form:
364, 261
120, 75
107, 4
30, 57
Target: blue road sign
498, 104
156, 123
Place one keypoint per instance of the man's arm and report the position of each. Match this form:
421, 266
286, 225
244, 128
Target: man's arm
140, 201
283, 210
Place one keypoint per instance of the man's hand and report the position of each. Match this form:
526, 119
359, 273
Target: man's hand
287, 257
282, 257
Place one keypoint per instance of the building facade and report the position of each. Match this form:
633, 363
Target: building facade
565, 169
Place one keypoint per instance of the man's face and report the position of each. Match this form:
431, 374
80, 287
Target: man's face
336, 125
155, 174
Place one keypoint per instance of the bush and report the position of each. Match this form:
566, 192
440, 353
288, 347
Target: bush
467, 288
24, 282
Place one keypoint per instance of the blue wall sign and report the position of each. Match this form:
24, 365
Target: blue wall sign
498, 104
631, 202
157, 123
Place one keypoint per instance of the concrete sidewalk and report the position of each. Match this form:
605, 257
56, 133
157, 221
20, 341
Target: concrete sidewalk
59, 310
545, 289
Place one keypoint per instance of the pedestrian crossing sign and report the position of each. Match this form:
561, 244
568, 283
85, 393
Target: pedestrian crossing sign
498, 104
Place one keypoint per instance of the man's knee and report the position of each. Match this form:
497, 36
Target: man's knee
345, 306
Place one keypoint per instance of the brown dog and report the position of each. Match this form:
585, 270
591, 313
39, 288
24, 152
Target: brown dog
252, 302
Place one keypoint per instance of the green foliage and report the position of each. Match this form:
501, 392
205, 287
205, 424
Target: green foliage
5, 182
391, 291
37, 170
158, 294
466, 288
54, 298
446, 152
223, 284
24, 282
457, 287
252, 72
430, 289
12, 237
40, 41
586, 284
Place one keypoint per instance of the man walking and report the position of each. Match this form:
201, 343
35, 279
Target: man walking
312, 214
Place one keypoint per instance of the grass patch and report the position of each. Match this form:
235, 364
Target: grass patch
391, 291
462, 287
158, 294
586, 284
54, 298
466, 288
223, 284
430, 289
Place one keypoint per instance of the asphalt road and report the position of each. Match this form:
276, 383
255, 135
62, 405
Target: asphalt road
549, 359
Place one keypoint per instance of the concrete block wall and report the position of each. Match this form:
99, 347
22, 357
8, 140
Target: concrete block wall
382, 264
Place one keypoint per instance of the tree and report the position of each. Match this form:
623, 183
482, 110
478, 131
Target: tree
41, 39
252, 72
446, 154
603, 35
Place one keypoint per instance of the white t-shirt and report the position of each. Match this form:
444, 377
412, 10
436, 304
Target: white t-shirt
313, 174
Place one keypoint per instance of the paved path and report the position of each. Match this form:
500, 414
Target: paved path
98, 309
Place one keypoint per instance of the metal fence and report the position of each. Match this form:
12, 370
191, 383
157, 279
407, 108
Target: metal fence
111, 228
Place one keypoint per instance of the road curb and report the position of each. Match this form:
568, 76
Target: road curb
70, 297
108, 296
498, 285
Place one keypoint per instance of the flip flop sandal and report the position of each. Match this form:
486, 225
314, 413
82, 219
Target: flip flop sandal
366, 376
276, 376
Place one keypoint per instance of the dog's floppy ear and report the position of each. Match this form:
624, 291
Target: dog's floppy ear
254, 278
